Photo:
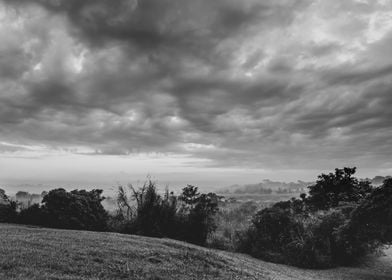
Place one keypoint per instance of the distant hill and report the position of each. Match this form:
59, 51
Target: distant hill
267, 187
275, 187
37, 253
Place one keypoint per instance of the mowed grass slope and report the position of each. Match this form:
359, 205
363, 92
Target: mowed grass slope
37, 253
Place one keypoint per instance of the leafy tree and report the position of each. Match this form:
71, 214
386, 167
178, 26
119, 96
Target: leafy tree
148, 213
33, 215
374, 215
78, 209
336, 188
370, 225
3, 197
190, 196
8, 208
188, 217
197, 212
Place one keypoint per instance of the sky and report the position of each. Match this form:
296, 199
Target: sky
210, 93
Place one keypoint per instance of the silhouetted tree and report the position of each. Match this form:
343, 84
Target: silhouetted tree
148, 211
188, 217
374, 215
78, 209
370, 225
197, 212
333, 189
33, 215
8, 208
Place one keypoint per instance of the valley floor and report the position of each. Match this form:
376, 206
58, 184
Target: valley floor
37, 253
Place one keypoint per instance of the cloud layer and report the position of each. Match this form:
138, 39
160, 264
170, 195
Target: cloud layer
270, 84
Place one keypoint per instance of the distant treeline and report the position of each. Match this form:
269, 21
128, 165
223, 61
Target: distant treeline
267, 187
276, 187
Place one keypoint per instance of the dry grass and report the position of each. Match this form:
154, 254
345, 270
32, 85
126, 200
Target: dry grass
37, 253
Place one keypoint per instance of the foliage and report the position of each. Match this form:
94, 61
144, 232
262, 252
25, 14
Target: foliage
333, 189
370, 225
271, 229
188, 217
232, 218
196, 214
374, 215
33, 215
8, 208
154, 215
341, 220
78, 209
281, 235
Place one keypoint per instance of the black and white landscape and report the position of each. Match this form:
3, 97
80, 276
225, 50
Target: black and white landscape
195, 139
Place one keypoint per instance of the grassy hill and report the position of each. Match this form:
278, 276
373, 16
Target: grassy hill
37, 253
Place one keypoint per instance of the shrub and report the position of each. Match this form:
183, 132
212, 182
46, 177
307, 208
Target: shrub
8, 212
145, 211
341, 220
196, 215
32, 215
370, 226
188, 217
155, 216
78, 209
333, 189
8, 208
279, 235
270, 231
229, 220
313, 244
373, 216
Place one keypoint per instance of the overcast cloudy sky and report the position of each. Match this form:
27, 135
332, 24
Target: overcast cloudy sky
205, 92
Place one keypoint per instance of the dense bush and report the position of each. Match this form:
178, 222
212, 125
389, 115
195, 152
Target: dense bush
232, 218
8, 208
196, 215
336, 188
303, 239
78, 209
8, 212
370, 224
314, 243
33, 215
188, 217
153, 214
373, 216
270, 231
340, 221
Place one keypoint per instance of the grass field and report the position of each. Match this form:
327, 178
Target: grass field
37, 253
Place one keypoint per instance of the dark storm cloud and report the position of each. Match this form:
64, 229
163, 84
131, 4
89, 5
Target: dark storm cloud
150, 23
254, 83
12, 63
